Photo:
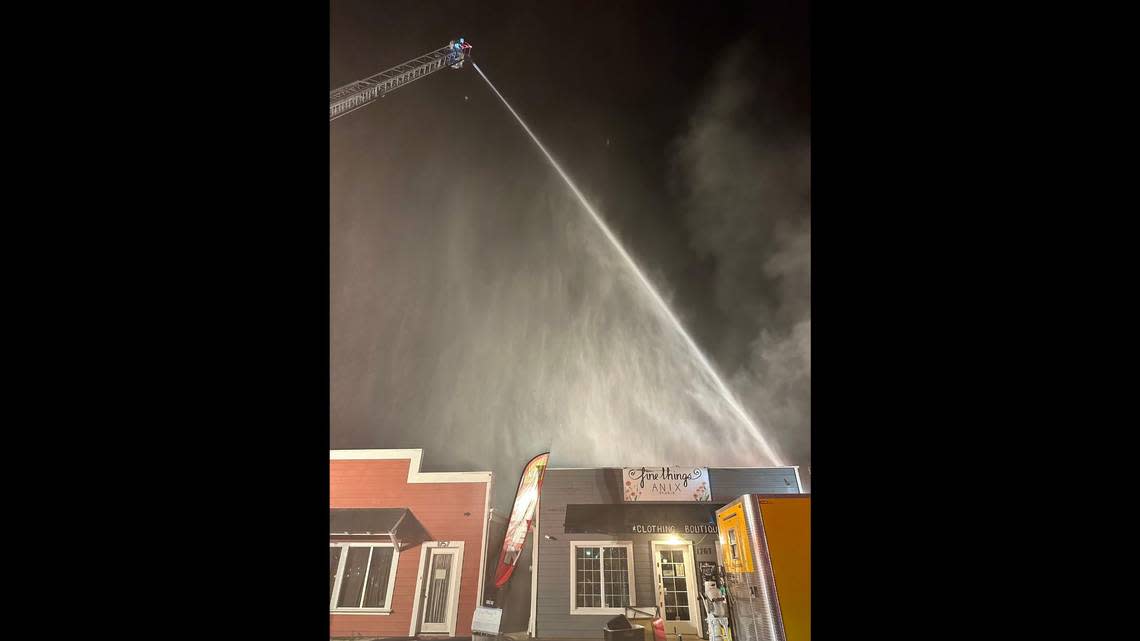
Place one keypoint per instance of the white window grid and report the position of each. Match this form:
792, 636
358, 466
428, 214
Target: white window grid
574, 545
345, 545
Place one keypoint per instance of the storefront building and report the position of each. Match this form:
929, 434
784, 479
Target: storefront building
395, 533
612, 538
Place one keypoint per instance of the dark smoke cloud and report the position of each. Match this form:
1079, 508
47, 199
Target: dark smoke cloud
744, 167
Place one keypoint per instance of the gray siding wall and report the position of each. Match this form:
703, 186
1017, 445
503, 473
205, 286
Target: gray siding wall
598, 486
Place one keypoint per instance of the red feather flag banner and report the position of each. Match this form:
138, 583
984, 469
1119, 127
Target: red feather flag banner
522, 515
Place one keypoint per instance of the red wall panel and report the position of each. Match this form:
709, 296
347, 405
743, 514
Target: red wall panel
448, 511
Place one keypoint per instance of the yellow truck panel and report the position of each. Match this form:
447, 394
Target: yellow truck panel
787, 527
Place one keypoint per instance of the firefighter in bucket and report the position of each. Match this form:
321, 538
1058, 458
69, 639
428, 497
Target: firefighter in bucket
459, 50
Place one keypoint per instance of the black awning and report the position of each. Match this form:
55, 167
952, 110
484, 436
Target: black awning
397, 523
641, 518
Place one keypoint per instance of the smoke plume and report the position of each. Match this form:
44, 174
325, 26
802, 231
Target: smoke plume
745, 174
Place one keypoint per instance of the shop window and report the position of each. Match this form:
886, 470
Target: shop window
361, 576
602, 577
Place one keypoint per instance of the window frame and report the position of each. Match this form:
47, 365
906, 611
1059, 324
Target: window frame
345, 545
574, 545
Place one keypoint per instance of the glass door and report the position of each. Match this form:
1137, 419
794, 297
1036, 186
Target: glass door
676, 588
439, 589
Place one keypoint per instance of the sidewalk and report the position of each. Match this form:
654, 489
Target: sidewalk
509, 636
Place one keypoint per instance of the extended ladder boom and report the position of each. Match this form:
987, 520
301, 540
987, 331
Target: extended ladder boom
357, 94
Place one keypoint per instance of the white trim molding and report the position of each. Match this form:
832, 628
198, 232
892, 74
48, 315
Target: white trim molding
414, 473
574, 545
711, 467
532, 622
453, 607
483, 550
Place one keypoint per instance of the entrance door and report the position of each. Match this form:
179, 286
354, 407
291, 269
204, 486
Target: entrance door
440, 583
677, 587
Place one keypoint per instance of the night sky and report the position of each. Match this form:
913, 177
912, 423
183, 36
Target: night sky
477, 313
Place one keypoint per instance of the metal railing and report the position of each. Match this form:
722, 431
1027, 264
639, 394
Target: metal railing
353, 96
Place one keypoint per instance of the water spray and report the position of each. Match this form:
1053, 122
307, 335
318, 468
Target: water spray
721, 387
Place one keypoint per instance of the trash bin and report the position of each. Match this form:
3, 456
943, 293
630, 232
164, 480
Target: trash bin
620, 629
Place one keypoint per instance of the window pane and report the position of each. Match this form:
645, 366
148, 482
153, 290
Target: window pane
674, 583
353, 582
601, 577
334, 563
588, 577
377, 588
616, 577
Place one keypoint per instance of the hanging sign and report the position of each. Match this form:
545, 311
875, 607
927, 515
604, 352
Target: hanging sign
708, 571
666, 484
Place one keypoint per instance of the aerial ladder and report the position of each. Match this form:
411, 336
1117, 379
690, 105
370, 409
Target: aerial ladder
356, 95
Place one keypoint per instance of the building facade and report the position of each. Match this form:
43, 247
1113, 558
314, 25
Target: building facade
609, 539
406, 548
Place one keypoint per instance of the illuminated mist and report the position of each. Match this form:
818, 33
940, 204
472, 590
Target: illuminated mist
479, 314
662, 306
